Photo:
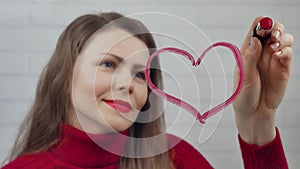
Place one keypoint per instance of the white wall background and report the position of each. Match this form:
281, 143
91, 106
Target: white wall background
29, 30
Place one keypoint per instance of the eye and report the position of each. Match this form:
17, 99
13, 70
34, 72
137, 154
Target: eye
108, 64
140, 75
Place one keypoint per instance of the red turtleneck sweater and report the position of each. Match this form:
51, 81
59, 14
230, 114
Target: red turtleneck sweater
77, 151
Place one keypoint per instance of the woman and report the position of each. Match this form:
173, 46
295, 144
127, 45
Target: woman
93, 109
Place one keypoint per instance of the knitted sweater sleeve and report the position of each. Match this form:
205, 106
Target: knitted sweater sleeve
269, 156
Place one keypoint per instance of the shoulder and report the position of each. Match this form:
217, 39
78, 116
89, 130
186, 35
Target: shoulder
28, 162
185, 155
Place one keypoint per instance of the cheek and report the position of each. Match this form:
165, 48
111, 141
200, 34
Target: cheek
84, 84
83, 88
83, 95
101, 84
142, 95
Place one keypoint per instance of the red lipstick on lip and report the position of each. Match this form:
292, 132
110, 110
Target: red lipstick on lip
263, 30
119, 105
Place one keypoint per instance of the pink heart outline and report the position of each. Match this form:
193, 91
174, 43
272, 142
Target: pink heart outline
236, 53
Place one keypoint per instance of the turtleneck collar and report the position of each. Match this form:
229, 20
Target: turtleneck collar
81, 149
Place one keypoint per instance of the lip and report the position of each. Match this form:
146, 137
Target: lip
119, 105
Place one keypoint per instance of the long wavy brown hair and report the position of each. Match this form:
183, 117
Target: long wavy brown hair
41, 128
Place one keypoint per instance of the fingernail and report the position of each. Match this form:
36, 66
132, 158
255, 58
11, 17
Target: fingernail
278, 53
274, 45
277, 34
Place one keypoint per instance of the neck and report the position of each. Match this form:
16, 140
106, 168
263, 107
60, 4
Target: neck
89, 150
90, 126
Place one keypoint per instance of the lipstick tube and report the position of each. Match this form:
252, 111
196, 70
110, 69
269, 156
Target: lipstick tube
263, 30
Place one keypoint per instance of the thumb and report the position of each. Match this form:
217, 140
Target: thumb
251, 55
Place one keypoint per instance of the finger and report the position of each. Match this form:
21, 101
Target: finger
285, 57
284, 53
250, 32
286, 40
277, 31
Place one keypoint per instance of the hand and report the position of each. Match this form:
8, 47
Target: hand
267, 71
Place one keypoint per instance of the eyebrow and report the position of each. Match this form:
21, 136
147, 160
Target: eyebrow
115, 56
120, 59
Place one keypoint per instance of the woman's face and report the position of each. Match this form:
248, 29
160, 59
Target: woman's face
109, 87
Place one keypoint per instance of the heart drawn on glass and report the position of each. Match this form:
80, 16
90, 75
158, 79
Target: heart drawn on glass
181, 103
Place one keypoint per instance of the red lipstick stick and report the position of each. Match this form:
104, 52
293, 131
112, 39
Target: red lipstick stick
263, 30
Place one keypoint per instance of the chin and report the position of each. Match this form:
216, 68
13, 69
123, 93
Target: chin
120, 124
121, 128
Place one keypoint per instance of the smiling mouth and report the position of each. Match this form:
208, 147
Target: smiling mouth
119, 105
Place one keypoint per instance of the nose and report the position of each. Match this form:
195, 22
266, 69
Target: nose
123, 82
